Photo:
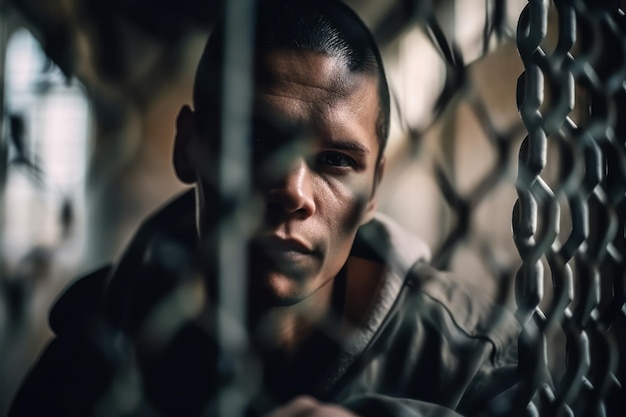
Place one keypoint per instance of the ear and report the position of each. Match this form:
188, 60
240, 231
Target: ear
370, 210
185, 134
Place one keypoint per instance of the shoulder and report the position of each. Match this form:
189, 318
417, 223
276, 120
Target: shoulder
433, 306
173, 222
450, 300
80, 301
444, 300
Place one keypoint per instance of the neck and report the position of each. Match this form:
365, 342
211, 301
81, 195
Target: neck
283, 331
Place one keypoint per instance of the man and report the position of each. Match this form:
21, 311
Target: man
345, 315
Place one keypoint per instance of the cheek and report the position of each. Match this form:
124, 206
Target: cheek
344, 205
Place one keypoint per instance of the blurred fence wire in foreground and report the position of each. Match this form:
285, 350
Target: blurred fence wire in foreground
568, 276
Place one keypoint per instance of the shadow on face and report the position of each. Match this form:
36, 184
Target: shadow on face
315, 164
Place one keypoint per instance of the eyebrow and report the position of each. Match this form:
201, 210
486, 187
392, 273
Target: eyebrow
346, 145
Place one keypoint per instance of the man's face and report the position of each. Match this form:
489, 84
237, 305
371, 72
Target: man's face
316, 156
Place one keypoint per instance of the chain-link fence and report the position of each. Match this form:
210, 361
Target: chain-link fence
569, 96
458, 170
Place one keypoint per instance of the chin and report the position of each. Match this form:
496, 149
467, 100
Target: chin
278, 290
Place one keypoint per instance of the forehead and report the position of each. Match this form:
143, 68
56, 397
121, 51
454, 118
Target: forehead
319, 91
280, 68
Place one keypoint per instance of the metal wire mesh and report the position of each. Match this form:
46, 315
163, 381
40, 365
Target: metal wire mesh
568, 220
590, 149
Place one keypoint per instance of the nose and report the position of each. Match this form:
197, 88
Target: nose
293, 193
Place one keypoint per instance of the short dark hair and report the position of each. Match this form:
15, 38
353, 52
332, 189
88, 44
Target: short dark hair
326, 26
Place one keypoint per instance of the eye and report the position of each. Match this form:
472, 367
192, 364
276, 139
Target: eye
334, 159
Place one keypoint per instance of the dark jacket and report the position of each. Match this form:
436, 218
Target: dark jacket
431, 345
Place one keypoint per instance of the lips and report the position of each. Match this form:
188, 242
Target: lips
282, 249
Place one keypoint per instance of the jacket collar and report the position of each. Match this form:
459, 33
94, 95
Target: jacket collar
385, 242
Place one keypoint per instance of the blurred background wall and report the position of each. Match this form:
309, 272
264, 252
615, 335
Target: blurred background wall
90, 91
